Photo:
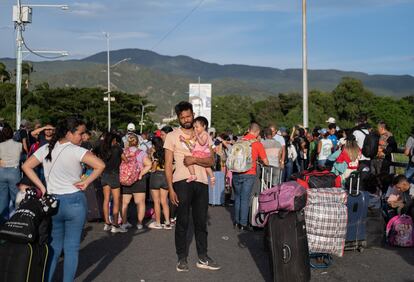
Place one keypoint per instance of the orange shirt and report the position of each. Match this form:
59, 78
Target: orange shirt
180, 150
258, 151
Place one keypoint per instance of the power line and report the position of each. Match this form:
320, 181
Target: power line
178, 24
40, 55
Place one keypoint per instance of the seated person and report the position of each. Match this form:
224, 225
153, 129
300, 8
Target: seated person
399, 196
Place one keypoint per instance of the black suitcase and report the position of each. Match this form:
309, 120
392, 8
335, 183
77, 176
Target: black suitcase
23, 262
94, 197
288, 246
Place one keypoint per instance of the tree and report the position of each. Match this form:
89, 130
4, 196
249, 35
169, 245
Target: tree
351, 98
4, 74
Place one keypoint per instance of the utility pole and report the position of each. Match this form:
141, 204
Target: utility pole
304, 67
23, 15
109, 81
19, 43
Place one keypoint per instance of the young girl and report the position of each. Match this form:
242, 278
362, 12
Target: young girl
350, 154
199, 146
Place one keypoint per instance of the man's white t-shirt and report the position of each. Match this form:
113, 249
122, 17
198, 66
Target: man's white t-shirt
360, 138
66, 170
280, 139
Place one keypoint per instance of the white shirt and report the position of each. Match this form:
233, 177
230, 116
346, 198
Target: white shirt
66, 170
360, 138
10, 151
326, 149
280, 139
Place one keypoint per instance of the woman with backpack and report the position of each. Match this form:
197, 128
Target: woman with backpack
142, 165
159, 186
61, 160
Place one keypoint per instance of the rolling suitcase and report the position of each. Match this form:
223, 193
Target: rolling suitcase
94, 197
288, 247
356, 237
23, 262
266, 181
216, 192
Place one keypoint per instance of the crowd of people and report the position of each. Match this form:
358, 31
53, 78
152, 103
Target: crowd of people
175, 167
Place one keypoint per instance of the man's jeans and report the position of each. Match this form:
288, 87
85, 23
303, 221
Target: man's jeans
67, 227
409, 173
192, 195
242, 184
9, 177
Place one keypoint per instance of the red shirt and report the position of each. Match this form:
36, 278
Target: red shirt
344, 157
257, 151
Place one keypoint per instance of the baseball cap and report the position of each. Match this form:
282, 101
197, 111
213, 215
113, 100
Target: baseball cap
323, 131
331, 120
282, 129
131, 127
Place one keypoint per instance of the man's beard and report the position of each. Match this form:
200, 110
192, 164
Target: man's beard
187, 125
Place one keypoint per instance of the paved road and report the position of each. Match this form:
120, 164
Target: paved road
150, 256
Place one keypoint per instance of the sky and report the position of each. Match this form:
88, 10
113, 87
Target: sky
373, 36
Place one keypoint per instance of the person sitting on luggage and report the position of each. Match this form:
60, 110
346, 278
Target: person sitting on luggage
350, 155
243, 182
400, 196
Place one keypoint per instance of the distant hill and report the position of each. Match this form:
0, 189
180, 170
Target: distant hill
269, 79
164, 79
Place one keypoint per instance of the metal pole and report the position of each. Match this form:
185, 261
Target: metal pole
109, 82
142, 119
19, 43
305, 67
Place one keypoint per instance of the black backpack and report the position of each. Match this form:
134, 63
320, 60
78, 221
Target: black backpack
371, 142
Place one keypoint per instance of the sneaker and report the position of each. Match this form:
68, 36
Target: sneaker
167, 226
182, 265
118, 229
154, 225
140, 226
207, 263
172, 221
107, 227
126, 225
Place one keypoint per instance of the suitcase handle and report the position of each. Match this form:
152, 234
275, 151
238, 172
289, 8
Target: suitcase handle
287, 253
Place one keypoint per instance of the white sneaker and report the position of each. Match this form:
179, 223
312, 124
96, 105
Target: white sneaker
140, 226
126, 225
155, 225
118, 229
167, 226
107, 227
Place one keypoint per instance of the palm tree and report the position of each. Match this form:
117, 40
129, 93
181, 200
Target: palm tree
4, 74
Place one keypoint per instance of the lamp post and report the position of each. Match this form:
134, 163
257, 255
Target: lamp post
22, 15
304, 67
141, 123
108, 98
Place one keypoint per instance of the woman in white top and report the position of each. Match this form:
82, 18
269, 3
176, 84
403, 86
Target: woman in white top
62, 159
10, 151
325, 146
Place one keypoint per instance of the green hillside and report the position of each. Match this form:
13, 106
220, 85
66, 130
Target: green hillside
164, 79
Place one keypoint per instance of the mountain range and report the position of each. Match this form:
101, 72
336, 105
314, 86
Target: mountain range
164, 79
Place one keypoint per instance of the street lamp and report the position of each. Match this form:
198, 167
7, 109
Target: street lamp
141, 123
304, 67
108, 98
22, 15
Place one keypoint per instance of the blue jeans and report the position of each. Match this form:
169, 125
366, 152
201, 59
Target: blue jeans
242, 184
409, 173
66, 232
9, 177
288, 170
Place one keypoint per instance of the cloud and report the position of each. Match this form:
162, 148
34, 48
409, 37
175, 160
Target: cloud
87, 9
